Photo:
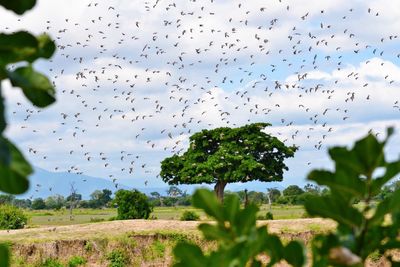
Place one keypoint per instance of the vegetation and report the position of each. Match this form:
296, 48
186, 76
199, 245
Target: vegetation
12, 217
132, 205
361, 231
240, 241
117, 258
76, 261
189, 215
226, 155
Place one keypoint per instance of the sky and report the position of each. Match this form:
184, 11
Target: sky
135, 79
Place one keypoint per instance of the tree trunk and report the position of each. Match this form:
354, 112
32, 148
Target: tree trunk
219, 190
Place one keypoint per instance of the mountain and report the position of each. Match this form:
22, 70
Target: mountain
60, 183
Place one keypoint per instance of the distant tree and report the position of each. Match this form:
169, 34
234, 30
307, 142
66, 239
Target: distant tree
22, 203
73, 200
100, 198
157, 196
274, 194
174, 191
75, 196
132, 205
312, 189
6, 199
38, 204
55, 202
292, 190
226, 155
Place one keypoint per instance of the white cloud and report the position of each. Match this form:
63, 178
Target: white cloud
138, 84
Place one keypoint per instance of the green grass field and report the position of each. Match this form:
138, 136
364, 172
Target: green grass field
61, 217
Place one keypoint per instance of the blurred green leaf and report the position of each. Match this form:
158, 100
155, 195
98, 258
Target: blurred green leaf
274, 249
294, 254
334, 208
23, 46
13, 174
212, 232
189, 255
231, 207
342, 182
388, 205
4, 256
370, 153
18, 6
3, 123
207, 201
346, 160
392, 169
36, 87
16, 47
46, 47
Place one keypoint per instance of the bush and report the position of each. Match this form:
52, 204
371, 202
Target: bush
269, 216
50, 263
117, 258
76, 261
132, 205
189, 216
12, 217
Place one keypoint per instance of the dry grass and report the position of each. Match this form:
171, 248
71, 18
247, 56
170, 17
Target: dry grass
109, 229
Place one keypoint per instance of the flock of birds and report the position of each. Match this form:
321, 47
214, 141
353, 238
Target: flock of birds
132, 87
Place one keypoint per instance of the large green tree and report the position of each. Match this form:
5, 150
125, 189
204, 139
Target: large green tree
227, 155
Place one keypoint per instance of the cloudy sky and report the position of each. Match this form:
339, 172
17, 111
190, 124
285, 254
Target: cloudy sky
135, 79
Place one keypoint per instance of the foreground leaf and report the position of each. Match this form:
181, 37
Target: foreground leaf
36, 87
4, 256
13, 174
18, 6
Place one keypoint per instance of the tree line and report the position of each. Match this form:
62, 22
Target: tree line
174, 196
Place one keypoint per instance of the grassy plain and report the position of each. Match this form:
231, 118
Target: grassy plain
80, 216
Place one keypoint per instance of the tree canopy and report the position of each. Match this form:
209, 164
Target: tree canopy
227, 155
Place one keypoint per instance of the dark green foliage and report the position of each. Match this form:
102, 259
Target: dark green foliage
76, 261
117, 258
12, 217
50, 262
4, 256
361, 231
239, 240
14, 169
38, 204
226, 155
100, 198
188, 215
269, 216
18, 6
55, 202
292, 190
132, 205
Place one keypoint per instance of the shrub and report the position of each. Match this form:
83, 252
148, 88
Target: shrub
269, 216
76, 261
132, 205
12, 217
117, 258
50, 263
189, 215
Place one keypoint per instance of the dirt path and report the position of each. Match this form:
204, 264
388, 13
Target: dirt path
107, 229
